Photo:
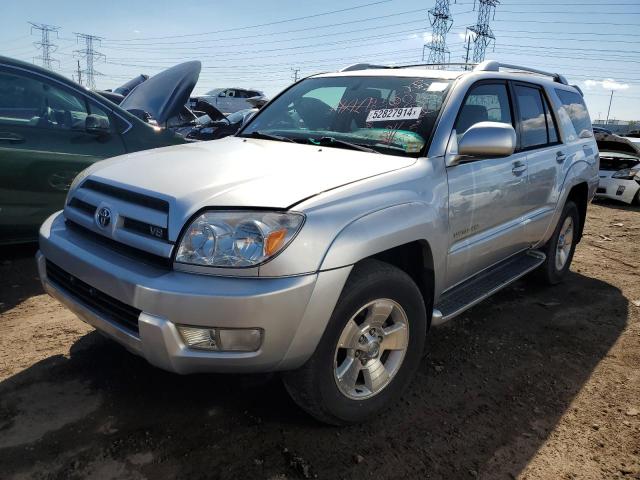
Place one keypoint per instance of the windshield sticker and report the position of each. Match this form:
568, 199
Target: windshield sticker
408, 113
437, 87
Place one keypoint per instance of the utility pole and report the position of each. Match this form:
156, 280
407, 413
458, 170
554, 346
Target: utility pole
441, 21
79, 74
45, 44
90, 55
609, 111
468, 48
483, 33
294, 74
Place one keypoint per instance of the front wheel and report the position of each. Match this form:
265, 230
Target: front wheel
561, 246
369, 351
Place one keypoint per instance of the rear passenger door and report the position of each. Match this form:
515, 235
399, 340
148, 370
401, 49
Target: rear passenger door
487, 196
545, 155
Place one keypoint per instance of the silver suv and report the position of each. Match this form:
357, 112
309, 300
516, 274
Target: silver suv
356, 210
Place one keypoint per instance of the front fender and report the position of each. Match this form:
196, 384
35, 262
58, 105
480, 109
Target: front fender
388, 228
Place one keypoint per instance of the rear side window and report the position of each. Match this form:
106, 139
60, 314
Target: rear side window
537, 126
533, 126
484, 103
573, 105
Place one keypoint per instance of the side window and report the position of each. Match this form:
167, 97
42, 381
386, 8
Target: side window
27, 101
485, 102
552, 128
21, 99
574, 107
533, 125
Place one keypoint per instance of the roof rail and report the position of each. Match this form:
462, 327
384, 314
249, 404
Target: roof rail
362, 66
493, 66
368, 66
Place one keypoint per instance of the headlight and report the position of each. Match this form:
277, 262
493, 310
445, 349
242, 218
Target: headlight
626, 173
237, 238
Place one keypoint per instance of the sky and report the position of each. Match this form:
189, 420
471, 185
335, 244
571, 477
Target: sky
258, 44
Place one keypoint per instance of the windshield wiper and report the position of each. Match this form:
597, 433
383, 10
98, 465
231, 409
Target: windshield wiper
268, 136
342, 143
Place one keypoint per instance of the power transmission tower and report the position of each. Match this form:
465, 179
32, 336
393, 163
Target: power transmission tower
441, 21
90, 55
294, 74
45, 44
483, 35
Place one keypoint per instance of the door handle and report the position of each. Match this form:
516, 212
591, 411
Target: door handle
560, 157
10, 137
518, 168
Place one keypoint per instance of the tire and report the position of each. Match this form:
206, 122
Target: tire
550, 272
373, 286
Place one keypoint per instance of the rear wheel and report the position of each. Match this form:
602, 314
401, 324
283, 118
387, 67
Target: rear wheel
369, 351
561, 246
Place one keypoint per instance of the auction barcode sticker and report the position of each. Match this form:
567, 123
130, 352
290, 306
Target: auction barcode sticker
408, 113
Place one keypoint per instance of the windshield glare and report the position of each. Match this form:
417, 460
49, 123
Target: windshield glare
391, 114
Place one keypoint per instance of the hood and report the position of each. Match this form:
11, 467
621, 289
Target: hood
164, 94
239, 172
614, 143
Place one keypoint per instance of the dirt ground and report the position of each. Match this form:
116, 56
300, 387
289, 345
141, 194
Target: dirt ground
536, 383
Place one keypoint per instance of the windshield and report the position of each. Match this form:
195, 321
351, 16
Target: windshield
388, 114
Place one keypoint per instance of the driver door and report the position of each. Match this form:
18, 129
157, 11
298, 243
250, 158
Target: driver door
43, 146
487, 196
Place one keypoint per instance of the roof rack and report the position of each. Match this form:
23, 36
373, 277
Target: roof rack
369, 66
493, 66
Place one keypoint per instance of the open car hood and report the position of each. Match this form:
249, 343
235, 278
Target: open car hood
164, 94
615, 143
202, 105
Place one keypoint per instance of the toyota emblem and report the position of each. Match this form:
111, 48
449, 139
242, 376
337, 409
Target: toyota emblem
103, 217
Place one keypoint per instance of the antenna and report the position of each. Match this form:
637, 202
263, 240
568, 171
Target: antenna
89, 54
45, 44
483, 33
441, 22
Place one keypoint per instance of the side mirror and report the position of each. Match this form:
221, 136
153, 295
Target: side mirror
487, 139
97, 125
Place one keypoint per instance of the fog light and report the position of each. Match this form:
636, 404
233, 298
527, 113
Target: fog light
222, 339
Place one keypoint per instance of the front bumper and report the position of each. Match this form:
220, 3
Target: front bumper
617, 189
292, 311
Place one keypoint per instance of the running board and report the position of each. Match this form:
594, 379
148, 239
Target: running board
485, 284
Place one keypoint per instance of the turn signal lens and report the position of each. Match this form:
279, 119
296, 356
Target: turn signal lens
274, 241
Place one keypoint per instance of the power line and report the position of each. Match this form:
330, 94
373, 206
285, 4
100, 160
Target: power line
278, 22
45, 45
90, 55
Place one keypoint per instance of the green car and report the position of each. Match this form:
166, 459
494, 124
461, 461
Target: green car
51, 128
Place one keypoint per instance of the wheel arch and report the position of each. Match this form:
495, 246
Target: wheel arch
411, 237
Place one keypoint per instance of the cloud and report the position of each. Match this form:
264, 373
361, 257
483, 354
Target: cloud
607, 84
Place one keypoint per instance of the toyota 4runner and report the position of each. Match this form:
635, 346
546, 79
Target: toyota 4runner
353, 212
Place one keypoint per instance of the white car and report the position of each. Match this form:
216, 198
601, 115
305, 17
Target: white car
619, 168
231, 100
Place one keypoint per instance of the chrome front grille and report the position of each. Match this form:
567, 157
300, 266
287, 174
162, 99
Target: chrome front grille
131, 218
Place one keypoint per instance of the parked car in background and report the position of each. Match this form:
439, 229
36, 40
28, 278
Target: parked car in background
619, 168
231, 100
349, 215
51, 128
